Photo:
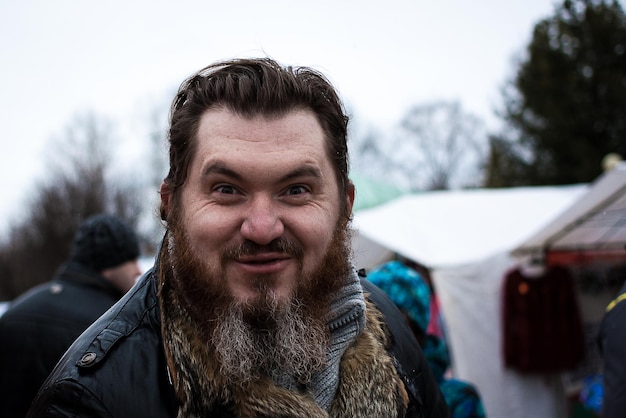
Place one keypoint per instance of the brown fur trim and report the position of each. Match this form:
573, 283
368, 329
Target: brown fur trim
266, 399
370, 385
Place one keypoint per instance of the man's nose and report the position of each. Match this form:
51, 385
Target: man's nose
262, 223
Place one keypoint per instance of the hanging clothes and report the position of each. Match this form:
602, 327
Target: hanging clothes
543, 330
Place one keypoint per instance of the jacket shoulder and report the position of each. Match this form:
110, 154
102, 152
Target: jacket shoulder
117, 362
68, 398
134, 313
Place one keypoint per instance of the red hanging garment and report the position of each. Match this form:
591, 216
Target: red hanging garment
543, 330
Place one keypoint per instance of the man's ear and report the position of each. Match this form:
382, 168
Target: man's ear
166, 195
350, 196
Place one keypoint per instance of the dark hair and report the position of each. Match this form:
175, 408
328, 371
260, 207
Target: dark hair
251, 87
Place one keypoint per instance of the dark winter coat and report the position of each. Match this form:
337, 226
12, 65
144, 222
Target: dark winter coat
40, 325
117, 368
612, 339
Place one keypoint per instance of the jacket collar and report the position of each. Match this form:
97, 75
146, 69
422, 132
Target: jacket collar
80, 274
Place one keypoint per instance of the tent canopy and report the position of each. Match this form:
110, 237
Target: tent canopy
595, 221
450, 228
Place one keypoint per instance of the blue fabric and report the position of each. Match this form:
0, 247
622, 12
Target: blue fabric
462, 398
592, 393
406, 288
436, 354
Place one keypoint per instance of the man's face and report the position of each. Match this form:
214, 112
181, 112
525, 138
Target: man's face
261, 204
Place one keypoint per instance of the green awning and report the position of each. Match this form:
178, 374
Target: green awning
370, 193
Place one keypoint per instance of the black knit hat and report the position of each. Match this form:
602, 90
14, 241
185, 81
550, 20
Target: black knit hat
104, 241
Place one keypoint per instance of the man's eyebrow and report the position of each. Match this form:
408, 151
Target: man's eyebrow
306, 170
219, 167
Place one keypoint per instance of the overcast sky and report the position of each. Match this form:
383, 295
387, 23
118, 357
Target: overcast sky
61, 57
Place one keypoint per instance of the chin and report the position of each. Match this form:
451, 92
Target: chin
262, 287
254, 296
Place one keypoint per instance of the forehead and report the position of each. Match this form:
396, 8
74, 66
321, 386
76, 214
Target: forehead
295, 136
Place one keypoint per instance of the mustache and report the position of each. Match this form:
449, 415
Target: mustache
250, 248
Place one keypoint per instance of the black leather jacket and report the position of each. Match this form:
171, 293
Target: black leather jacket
612, 342
117, 368
40, 325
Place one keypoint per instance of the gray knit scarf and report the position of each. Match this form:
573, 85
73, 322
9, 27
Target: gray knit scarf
346, 321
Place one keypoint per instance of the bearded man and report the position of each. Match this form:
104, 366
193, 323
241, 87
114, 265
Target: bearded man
253, 308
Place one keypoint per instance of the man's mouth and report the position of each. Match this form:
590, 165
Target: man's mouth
262, 258
263, 263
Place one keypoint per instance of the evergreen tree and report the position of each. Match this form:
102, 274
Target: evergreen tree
566, 107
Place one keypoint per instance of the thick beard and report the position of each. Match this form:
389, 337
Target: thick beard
268, 337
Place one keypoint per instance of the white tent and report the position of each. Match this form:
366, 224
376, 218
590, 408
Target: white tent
465, 237
451, 228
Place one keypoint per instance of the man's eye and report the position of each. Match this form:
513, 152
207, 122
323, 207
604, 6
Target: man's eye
225, 189
297, 190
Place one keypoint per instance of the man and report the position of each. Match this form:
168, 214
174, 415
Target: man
41, 324
253, 308
612, 341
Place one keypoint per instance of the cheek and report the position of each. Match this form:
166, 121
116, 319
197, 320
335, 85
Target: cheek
316, 237
208, 240
208, 228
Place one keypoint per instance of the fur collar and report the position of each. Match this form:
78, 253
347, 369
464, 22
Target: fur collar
369, 384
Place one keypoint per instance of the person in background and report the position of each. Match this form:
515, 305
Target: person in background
412, 294
253, 308
612, 343
43, 322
